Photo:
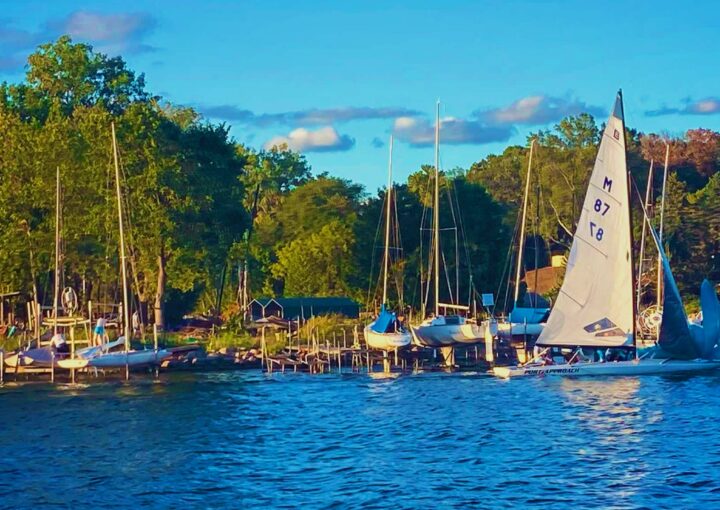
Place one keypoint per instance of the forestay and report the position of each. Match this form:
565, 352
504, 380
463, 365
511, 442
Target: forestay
595, 303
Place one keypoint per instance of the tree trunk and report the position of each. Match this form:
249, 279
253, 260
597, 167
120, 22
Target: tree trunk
160, 292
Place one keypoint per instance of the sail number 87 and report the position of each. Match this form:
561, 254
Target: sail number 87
601, 206
595, 231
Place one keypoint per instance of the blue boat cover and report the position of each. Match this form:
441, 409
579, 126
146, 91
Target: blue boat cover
521, 315
384, 321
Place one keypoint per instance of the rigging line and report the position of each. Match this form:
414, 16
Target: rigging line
509, 263
425, 283
372, 261
447, 279
463, 236
398, 276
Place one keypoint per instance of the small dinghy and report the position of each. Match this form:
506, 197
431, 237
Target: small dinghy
114, 355
129, 358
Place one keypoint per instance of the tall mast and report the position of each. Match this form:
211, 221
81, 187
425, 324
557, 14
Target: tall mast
619, 103
662, 220
522, 227
126, 302
56, 297
436, 212
386, 260
648, 189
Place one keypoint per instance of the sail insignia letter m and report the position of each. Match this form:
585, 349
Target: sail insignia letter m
607, 184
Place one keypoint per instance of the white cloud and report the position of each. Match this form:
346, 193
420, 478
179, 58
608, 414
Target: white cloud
420, 132
114, 33
325, 139
708, 106
312, 116
537, 110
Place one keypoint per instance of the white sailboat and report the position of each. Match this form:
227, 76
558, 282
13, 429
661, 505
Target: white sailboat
105, 357
595, 309
523, 321
442, 330
385, 333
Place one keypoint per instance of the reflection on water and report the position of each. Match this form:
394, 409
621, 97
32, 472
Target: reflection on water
433, 440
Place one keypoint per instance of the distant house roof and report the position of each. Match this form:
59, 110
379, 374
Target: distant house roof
548, 278
292, 307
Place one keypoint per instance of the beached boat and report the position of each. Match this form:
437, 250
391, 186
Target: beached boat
114, 355
43, 357
596, 307
386, 332
129, 359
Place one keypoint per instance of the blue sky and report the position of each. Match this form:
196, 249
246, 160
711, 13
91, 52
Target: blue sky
335, 78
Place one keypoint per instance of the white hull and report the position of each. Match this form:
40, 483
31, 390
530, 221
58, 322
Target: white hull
131, 359
387, 341
633, 367
515, 329
444, 335
43, 358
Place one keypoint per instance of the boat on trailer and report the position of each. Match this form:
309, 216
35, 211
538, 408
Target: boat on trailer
596, 309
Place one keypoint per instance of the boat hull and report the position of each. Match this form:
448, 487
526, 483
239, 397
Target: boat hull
518, 329
619, 368
131, 359
43, 358
387, 341
445, 335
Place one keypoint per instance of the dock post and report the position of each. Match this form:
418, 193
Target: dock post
2, 366
263, 356
367, 359
155, 338
52, 366
72, 352
386, 362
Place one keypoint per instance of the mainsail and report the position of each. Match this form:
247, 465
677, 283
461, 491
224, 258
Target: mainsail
595, 303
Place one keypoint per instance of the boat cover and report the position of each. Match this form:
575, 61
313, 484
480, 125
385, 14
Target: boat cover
384, 321
521, 315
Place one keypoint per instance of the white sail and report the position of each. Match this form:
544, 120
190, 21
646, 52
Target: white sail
595, 305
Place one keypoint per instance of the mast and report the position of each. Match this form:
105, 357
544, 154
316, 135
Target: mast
642, 238
386, 260
522, 227
629, 213
56, 297
123, 265
662, 220
436, 212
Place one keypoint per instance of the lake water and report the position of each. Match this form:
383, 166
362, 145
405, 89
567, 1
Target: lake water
245, 439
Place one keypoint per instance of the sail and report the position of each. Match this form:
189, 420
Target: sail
710, 313
595, 303
675, 338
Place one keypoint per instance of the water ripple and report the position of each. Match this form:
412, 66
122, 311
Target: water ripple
229, 440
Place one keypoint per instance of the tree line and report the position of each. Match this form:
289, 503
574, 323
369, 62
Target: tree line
200, 205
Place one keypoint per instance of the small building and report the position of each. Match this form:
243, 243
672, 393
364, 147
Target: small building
303, 308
